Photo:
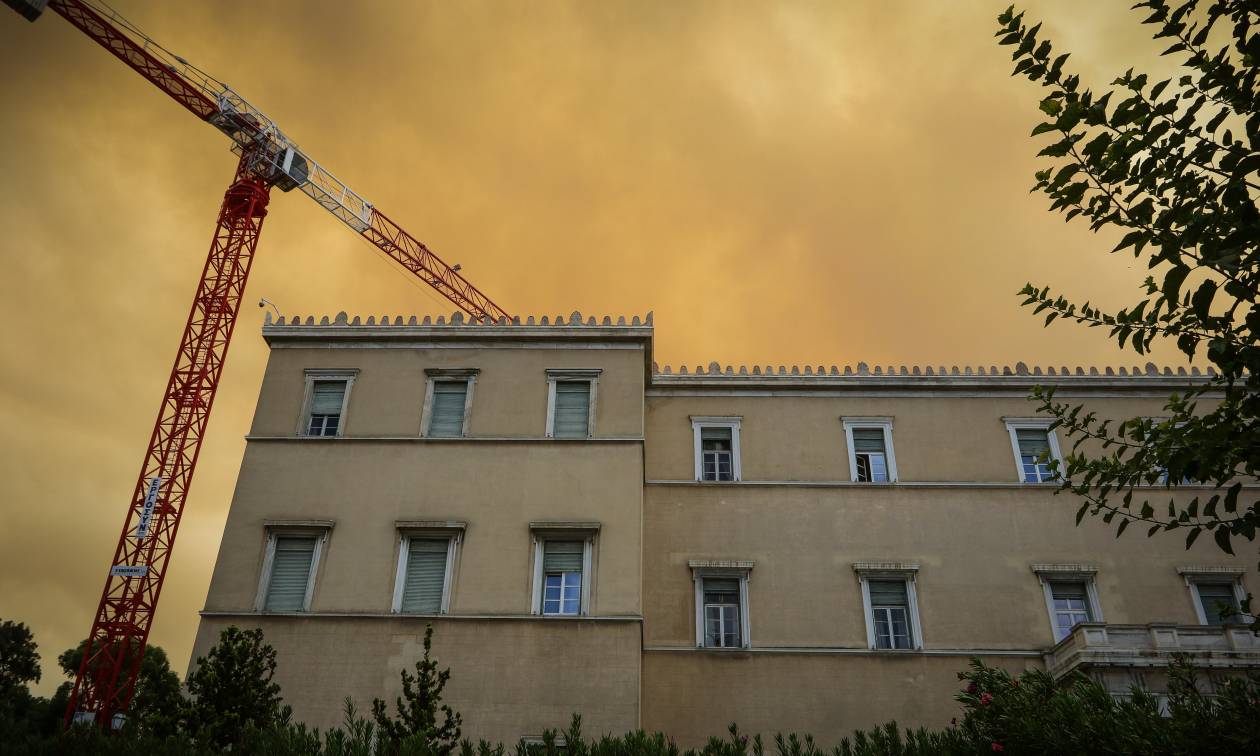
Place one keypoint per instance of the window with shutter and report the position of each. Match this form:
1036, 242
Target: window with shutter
1033, 443
425, 575
1219, 603
890, 613
446, 413
562, 577
572, 409
290, 573
716, 460
327, 398
870, 455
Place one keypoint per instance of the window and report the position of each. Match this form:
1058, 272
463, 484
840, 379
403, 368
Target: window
327, 396
1218, 602
721, 613
871, 457
562, 577
571, 402
289, 566
426, 558
1217, 593
716, 442
1035, 445
891, 605
448, 399
1071, 606
563, 555
1071, 596
721, 603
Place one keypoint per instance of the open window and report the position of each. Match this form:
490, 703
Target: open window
326, 399
1035, 445
870, 443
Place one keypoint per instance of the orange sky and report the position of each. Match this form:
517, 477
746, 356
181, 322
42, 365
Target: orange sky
780, 182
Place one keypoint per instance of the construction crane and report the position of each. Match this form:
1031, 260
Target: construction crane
106, 680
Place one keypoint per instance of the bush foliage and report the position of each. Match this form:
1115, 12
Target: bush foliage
236, 707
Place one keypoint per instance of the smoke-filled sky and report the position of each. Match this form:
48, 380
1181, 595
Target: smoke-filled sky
781, 182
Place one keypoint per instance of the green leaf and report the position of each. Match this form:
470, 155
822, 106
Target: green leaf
1173, 279
1191, 536
1051, 106
1222, 539
1201, 301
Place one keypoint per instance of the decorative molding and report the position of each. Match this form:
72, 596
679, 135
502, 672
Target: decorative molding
1064, 570
430, 525
886, 567
721, 564
1211, 571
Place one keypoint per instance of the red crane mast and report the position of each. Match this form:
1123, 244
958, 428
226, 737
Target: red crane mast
106, 680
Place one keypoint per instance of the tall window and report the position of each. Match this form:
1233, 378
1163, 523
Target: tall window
871, 457
327, 400
891, 604
721, 613
721, 602
716, 448
424, 569
1034, 445
716, 454
571, 402
562, 577
1071, 606
1071, 596
573, 407
446, 418
1218, 602
291, 569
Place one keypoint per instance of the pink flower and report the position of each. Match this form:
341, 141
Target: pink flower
997, 747
971, 688
986, 699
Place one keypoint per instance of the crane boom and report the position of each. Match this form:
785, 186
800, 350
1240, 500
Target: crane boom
107, 675
289, 166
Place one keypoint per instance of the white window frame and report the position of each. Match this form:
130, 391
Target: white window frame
1014, 424
318, 529
1048, 574
741, 570
427, 530
881, 423
555, 375
540, 533
469, 375
868, 571
325, 374
698, 423
1232, 575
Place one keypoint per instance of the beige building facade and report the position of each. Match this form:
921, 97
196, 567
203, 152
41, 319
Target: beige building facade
809, 549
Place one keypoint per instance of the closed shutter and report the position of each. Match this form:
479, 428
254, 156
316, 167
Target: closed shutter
1032, 442
1068, 591
719, 437
888, 592
572, 409
290, 573
562, 556
447, 411
868, 440
327, 396
1215, 597
426, 575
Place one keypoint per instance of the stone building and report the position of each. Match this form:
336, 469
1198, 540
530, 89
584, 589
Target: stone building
804, 549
